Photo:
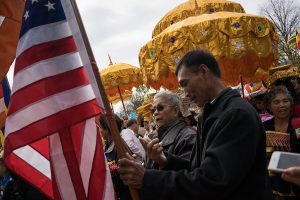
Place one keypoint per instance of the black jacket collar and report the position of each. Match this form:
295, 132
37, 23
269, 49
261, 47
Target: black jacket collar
170, 132
219, 104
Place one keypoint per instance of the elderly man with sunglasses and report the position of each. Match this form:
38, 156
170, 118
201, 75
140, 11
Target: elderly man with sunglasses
228, 161
173, 135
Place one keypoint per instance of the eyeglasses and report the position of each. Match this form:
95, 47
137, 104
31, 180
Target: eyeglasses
295, 78
159, 108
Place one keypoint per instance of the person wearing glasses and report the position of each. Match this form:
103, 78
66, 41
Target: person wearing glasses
172, 133
228, 161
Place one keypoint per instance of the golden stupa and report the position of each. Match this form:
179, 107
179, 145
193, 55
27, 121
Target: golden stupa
245, 45
120, 78
145, 109
195, 8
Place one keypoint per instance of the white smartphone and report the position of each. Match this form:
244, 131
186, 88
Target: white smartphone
283, 160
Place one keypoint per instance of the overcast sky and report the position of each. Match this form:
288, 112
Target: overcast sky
121, 27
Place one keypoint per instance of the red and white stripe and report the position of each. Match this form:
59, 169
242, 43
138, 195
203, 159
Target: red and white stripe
85, 162
51, 135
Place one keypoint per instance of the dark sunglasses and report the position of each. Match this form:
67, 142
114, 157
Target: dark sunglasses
295, 78
159, 108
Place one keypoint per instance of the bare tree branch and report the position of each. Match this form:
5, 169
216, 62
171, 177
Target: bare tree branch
286, 17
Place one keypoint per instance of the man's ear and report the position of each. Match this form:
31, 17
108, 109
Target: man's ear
178, 110
203, 69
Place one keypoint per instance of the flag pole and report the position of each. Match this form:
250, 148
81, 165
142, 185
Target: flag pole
122, 101
121, 148
242, 84
112, 107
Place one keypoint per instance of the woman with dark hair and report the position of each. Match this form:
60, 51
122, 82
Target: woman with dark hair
122, 190
280, 103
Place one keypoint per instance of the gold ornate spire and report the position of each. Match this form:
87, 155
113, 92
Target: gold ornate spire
110, 61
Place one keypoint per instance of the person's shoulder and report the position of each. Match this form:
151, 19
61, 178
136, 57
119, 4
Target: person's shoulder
240, 105
189, 130
126, 130
241, 114
189, 133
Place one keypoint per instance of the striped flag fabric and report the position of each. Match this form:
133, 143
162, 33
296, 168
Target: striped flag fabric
4, 101
10, 24
51, 136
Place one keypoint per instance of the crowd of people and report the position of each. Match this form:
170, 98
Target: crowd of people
220, 151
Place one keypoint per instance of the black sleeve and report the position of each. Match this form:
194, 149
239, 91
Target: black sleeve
227, 161
176, 163
180, 157
184, 146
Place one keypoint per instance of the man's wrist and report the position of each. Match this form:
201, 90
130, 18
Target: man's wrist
163, 163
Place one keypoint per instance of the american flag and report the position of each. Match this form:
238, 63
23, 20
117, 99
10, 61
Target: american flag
51, 135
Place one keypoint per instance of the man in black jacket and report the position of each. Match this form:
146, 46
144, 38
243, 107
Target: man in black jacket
228, 160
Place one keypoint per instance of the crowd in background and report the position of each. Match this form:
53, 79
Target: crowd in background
279, 109
172, 132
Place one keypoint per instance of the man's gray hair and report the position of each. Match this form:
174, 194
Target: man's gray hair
172, 98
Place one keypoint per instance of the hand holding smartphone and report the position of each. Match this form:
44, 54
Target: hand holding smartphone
280, 161
292, 175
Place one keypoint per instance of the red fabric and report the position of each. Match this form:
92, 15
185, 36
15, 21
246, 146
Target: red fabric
45, 127
42, 146
36, 178
47, 87
295, 112
296, 123
73, 165
45, 51
98, 168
